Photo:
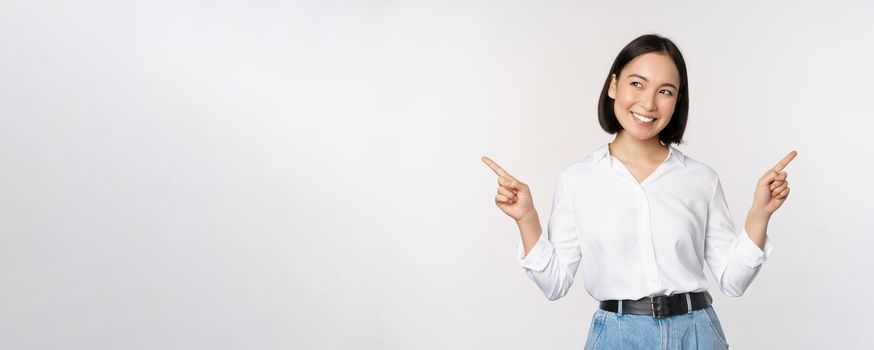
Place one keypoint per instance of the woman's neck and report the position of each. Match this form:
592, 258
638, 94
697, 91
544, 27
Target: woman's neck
631, 150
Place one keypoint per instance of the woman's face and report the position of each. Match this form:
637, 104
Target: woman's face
645, 94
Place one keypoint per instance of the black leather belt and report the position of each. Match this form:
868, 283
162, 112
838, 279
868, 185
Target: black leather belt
660, 306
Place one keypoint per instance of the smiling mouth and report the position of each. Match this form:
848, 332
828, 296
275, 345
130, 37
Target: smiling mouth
642, 118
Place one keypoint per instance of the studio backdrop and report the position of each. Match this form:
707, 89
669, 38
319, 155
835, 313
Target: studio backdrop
307, 175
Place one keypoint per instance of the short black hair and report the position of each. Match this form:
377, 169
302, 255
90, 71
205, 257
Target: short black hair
673, 132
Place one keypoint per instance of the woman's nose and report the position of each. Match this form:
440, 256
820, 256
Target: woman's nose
648, 102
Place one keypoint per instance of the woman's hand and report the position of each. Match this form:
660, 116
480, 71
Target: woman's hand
513, 197
773, 188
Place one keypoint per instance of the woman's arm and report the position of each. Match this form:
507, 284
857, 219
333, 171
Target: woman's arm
550, 260
736, 260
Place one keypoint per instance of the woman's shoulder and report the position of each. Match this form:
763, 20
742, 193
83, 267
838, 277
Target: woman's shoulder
696, 167
588, 161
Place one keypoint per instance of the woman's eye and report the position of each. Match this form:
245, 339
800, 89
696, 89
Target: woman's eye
668, 92
635, 84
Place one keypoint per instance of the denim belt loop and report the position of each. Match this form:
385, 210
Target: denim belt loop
620, 307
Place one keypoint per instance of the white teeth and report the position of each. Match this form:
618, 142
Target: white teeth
642, 118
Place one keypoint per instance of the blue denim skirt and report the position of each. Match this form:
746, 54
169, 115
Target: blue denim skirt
699, 329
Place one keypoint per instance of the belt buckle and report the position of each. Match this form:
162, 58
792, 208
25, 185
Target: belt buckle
663, 309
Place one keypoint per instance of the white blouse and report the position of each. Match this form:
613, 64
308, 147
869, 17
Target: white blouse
643, 239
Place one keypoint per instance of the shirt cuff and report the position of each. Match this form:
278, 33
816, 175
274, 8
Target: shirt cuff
538, 257
749, 253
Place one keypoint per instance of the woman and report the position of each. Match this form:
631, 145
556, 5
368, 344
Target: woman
642, 219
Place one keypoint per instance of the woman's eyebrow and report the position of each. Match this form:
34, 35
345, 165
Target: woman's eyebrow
645, 79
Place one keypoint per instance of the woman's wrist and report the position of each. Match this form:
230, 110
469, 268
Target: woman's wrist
529, 218
758, 215
756, 226
530, 230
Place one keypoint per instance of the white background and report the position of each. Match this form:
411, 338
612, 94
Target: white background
306, 175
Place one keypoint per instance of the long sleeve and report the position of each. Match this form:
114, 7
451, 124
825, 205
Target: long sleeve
734, 259
554, 259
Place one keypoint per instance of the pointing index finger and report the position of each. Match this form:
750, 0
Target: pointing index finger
495, 167
783, 163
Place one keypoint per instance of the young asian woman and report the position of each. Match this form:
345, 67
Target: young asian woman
642, 219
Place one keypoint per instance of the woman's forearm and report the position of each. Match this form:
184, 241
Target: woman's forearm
529, 228
757, 227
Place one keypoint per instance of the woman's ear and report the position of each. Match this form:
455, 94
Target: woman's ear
611, 91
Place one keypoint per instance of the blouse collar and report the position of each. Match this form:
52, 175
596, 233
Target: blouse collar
603, 152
